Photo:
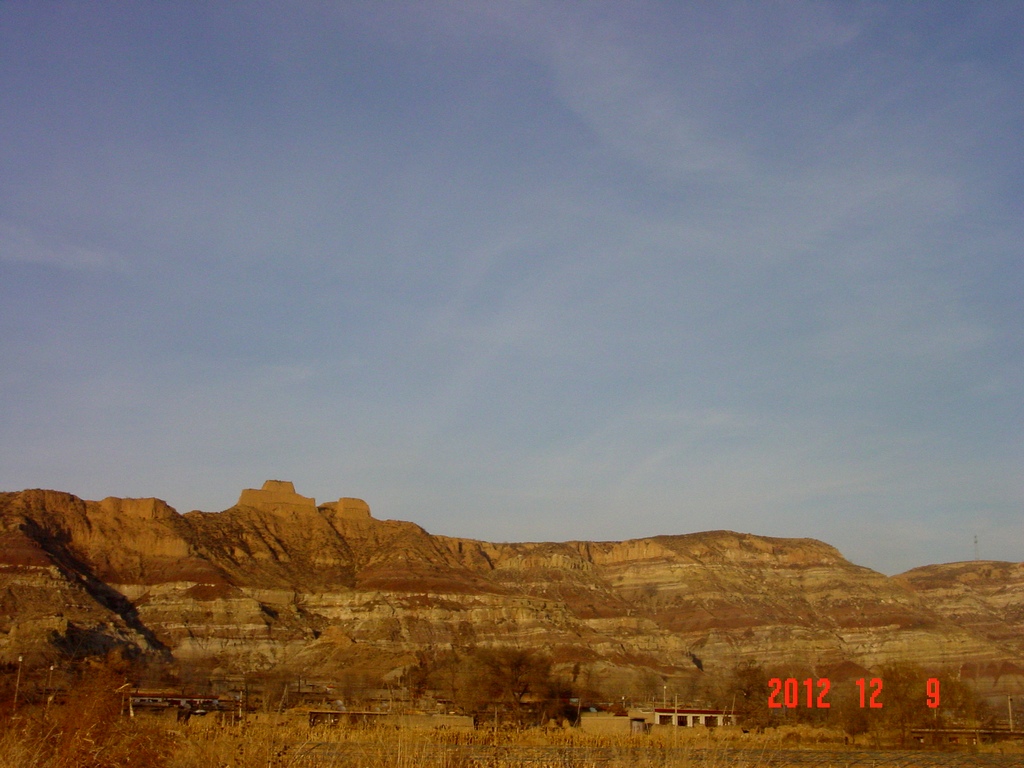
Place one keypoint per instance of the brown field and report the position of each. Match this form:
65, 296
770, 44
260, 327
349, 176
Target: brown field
89, 726
92, 732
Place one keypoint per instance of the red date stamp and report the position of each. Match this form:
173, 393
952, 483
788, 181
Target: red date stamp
792, 693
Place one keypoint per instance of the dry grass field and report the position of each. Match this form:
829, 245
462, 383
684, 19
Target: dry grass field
83, 735
90, 729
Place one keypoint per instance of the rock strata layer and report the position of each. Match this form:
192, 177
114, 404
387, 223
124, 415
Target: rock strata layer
278, 579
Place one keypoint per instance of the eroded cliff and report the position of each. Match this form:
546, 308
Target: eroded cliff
278, 578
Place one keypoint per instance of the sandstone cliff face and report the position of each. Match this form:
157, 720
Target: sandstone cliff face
985, 596
52, 593
278, 579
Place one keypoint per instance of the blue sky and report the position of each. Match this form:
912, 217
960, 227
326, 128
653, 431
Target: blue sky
525, 271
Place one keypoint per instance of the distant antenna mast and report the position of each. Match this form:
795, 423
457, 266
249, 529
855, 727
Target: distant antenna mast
976, 547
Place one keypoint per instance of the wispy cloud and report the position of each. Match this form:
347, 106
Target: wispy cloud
34, 246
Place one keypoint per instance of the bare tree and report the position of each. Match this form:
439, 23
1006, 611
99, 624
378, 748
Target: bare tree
513, 674
747, 691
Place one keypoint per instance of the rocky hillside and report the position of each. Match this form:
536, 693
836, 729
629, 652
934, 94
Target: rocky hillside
983, 596
278, 579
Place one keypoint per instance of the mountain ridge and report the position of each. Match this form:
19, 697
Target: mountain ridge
279, 580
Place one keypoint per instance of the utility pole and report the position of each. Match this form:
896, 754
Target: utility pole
1009, 709
17, 684
675, 719
49, 689
976, 547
